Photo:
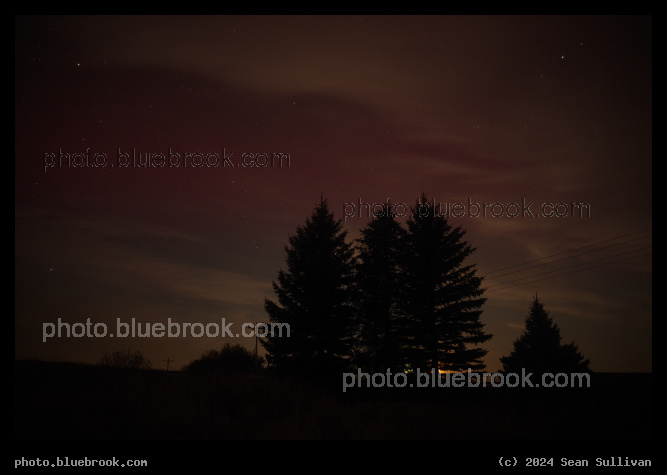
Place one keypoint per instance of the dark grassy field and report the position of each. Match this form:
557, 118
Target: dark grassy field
70, 401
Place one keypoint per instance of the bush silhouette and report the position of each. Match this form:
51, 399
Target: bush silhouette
231, 359
127, 359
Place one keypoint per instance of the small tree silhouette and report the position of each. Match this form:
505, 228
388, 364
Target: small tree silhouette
127, 359
539, 348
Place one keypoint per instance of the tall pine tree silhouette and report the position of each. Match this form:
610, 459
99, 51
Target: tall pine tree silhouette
381, 287
443, 300
315, 298
539, 349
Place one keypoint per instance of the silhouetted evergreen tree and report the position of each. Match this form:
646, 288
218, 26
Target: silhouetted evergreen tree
539, 348
315, 297
444, 296
380, 281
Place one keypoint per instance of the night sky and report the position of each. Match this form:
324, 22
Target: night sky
465, 109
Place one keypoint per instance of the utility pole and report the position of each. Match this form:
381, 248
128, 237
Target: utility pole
168, 361
256, 347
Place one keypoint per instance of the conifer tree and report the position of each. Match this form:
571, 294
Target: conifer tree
539, 349
444, 295
315, 298
381, 287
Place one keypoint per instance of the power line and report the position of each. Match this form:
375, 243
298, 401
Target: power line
572, 250
567, 273
565, 258
569, 267
504, 285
